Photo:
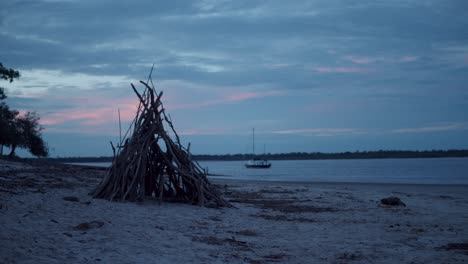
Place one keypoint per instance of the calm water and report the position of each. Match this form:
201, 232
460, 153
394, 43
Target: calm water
427, 171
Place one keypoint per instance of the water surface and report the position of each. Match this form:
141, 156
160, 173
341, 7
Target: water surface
414, 171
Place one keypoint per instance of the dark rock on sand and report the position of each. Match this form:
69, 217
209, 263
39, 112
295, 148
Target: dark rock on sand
392, 201
71, 198
456, 246
86, 226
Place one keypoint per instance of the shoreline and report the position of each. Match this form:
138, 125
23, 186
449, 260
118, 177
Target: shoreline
273, 157
47, 216
214, 178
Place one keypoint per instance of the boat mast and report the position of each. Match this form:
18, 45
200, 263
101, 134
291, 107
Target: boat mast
253, 146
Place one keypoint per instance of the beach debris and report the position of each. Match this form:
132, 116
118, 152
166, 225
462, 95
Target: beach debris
276, 257
247, 232
446, 197
71, 198
350, 256
7, 191
88, 225
417, 230
215, 218
281, 217
392, 201
211, 240
452, 246
152, 162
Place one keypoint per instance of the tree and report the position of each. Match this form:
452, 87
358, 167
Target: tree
19, 131
2, 94
27, 135
7, 125
7, 116
37, 146
8, 74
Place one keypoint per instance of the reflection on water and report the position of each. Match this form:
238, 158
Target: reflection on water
422, 171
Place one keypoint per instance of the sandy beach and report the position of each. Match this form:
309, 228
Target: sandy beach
47, 216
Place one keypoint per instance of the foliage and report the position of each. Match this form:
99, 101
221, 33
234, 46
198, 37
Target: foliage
8, 74
19, 130
37, 146
7, 124
27, 135
2, 94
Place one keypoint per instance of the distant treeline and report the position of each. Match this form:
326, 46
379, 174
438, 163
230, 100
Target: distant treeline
380, 154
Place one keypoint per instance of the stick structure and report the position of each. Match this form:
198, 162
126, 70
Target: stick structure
149, 163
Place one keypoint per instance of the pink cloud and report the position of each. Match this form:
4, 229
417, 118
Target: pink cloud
97, 114
362, 60
22, 112
251, 95
69, 115
368, 60
104, 114
341, 70
407, 59
242, 96
227, 99
88, 130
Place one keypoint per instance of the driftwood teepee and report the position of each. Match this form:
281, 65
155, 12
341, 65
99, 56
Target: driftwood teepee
149, 163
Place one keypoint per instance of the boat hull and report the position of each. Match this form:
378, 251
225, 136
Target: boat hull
253, 166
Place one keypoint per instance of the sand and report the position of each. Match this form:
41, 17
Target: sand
47, 216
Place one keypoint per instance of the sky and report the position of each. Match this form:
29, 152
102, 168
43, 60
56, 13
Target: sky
309, 76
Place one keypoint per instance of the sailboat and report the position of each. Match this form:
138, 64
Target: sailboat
256, 163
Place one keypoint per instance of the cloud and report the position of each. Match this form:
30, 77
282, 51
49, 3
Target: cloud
251, 95
81, 100
320, 131
198, 132
445, 127
228, 98
408, 59
322, 107
362, 60
226, 63
368, 60
101, 112
278, 65
73, 101
435, 128
341, 70
38, 81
